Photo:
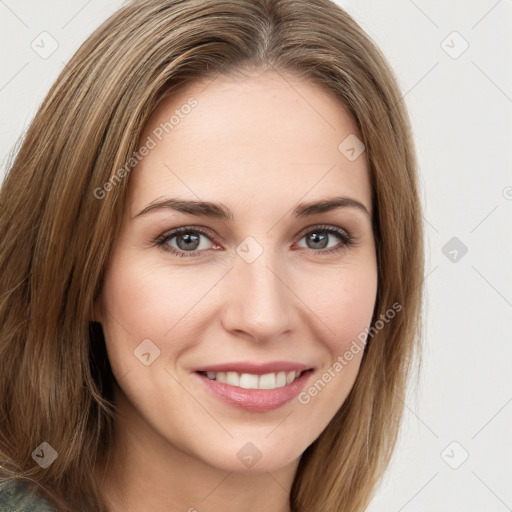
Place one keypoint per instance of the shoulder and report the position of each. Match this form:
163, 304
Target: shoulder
15, 496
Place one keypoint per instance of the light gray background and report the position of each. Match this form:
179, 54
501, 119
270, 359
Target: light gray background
461, 110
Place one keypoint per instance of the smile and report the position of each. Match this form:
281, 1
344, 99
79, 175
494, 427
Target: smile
253, 381
254, 387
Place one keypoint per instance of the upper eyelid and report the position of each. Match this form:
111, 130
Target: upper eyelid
214, 238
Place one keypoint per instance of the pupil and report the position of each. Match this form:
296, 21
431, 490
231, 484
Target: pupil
319, 241
189, 239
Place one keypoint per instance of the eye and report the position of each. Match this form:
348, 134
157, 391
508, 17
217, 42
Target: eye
186, 241
318, 238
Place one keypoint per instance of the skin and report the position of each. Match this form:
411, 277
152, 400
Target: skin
259, 145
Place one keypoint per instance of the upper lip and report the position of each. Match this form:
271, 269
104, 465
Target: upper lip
256, 368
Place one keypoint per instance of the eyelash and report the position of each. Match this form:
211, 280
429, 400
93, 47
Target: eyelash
347, 239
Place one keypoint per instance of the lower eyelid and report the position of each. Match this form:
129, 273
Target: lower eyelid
343, 236
164, 239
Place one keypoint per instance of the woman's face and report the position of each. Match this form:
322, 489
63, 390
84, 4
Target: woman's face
256, 289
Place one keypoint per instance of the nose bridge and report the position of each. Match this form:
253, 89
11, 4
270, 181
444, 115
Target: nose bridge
260, 302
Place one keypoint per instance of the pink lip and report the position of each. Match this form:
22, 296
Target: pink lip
255, 368
255, 400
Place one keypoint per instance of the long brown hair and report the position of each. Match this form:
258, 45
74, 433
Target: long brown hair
58, 223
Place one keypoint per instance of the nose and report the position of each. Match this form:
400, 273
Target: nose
259, 302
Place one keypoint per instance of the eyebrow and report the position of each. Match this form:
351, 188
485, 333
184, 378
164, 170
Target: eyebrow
221, 211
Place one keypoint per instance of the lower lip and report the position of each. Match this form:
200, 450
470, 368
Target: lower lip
256, 400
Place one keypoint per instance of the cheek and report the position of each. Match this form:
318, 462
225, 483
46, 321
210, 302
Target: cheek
148, 299
343, 304
145, 301
144, 297
344, 300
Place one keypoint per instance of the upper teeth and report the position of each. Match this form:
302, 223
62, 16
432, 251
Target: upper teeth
251, 381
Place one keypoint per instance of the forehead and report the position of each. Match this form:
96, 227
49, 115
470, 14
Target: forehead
269, 133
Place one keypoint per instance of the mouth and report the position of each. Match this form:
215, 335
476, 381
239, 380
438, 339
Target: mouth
253, 381
255, 388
